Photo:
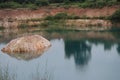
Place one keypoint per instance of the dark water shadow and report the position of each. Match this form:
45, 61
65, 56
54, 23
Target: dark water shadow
115, 25
118, 48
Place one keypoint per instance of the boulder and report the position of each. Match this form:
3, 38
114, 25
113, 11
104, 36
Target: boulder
28, 44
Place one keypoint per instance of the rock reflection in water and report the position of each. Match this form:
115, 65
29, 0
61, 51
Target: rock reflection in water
27, 56
80, 50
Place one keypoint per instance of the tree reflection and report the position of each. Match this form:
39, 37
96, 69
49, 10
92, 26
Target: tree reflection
118, 48
108, 46
80, 50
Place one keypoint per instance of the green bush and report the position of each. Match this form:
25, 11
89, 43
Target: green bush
23, 25
115, 16
49, 18
10, 5
1, 27
61, 16
97, 4
45, 24
57, 16
66, 1
100, 4
111, 3
73, 17
42, 2
87, 4
31, 6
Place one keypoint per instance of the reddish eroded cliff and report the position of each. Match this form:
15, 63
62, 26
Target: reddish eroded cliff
23, 14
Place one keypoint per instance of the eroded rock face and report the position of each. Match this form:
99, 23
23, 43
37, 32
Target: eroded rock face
27, 44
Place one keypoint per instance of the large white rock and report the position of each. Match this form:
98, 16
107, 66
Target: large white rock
27, 44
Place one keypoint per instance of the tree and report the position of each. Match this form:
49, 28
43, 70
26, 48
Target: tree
42, 2
116, 16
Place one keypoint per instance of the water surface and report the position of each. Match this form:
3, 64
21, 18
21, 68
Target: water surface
72, 56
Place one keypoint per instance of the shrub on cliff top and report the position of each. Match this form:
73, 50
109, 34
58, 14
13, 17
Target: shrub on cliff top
57, 16
60, 16
10, 5
42, 2
115, 16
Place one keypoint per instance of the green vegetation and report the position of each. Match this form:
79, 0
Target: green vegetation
41, 2
1, 28
87, 3
65, 16
34, 19
97, 4
53, 24
62, 16
10, 5
31, 6
115, 16
56, 22
34, 4
23, 25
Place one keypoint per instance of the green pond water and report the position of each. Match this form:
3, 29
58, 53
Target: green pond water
81, 55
